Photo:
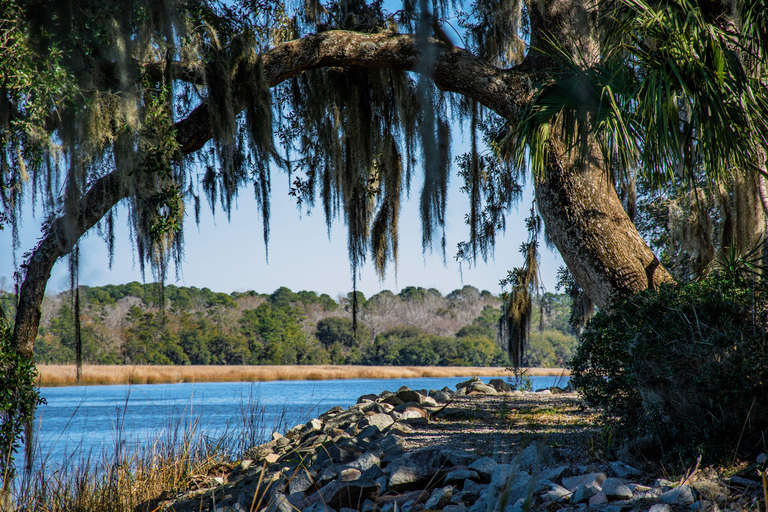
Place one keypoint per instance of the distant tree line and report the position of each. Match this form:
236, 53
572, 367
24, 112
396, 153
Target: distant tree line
124, 324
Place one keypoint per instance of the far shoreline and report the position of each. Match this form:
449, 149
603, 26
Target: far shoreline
64, 375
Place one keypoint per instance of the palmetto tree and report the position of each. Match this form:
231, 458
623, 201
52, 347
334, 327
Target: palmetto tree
677, 96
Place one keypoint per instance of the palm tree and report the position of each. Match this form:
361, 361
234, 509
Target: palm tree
677, 98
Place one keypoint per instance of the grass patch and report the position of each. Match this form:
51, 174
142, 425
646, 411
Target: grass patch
64, 375
180, 459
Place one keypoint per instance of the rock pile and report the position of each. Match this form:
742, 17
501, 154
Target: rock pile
355, 460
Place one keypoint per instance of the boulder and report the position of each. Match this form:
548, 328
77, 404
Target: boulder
682, 495
615, 489
499, 385
439, 499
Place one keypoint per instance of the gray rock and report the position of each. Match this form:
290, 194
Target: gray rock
349, 494
615, 489
301, 481
499, 385
367, 398
738, 481
279, 503
598, 499
556, 493
467, 383
318, 507
682, 495
439, 499
456, 508
501, 474
368, 506
456, 457
622, 470
407, 395
535, 455
442, 396
364, 462
553, 474
711, 490
458, 476
582, 493
660, 507
484, 467
702, 506
380, 420
587, 480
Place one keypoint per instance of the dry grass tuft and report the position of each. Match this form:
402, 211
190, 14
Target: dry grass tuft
64, 375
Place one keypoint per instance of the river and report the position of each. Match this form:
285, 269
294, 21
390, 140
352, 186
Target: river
89, 423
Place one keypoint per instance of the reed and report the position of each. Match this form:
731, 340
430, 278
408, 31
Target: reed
181, 458
64, 375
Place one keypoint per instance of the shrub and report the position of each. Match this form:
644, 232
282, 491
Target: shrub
18, 400
682, 371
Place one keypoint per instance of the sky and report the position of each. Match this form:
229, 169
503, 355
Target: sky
230, 256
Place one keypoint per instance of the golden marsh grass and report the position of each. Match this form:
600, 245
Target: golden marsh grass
64, 375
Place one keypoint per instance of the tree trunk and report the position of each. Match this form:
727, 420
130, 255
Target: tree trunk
585, 220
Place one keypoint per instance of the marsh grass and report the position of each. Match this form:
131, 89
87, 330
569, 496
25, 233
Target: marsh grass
64, 375
180, 458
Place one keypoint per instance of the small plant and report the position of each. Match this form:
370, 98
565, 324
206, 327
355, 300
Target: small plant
520, 380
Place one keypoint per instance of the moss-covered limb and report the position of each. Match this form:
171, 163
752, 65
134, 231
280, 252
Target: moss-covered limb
60, 238
505, 91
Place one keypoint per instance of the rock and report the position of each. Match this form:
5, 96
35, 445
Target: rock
660, 507
598, 499
364, 462
583, 493
711, 490
701, 506
349, 494
502, 473
442, 396
553, 474
615, 489
380, 420
738, 481
367, 398
279, 503
439, 498
467, 383
622, 470
484, 468
556, 493
499, 385
535, 455
456, 508
407, 395
458, 476
682, 495
301, 481
349, 474
587, 480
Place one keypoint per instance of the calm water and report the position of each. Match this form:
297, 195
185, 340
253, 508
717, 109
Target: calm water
96, 420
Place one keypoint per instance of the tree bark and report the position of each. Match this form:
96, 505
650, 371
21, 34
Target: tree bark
576, 197
587, 223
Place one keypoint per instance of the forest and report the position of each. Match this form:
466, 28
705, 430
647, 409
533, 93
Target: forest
124, 324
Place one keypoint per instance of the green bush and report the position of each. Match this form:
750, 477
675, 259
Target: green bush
18, 400
680, 371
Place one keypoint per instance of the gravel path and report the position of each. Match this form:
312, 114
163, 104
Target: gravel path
503, 425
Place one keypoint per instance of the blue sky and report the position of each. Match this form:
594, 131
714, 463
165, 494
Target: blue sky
229, 256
